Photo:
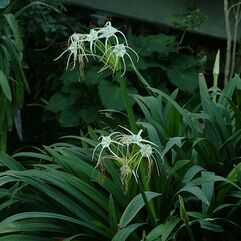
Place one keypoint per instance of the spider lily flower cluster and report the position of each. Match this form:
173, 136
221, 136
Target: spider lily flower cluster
128, 151
104, 44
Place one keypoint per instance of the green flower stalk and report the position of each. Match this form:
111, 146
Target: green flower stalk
104, 45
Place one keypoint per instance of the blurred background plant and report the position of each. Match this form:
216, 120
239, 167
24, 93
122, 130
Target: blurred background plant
231, 9
190, 21
13, 81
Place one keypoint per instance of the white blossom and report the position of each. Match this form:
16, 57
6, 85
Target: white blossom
76, 50
103, 44
92, 37
109, 31
119, 51
128, 151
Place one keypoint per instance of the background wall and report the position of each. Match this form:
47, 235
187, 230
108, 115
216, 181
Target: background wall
162, 11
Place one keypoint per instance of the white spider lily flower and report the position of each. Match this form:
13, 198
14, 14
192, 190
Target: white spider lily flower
98, 44
146, 150
92, 37
125, 174
77, 38
136, 138
126, 139
128, 151
119, 51
76, 50
109, 31
105, 143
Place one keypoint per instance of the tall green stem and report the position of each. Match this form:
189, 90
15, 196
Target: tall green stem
148, 207
127, 103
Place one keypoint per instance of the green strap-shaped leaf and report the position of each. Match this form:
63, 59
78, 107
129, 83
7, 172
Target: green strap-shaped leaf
112, 214
123, 234
190, 174
44, 216
5, 86
134, 207
182, 112
163, 230
10, 162
197, 192
20, 237
15, 29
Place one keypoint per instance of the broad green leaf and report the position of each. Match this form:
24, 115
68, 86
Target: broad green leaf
196, 191
161, 43
124, 233
4, 3
70, 76
110, 95
70, 117
134, 207
190, 174
5, 86
58, 102
185, 80
175, 141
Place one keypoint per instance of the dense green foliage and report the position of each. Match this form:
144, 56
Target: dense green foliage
150, 167
58, 191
